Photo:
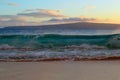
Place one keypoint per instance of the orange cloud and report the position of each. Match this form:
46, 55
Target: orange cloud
46, 17
27, 19
4, 19
22, 18
97, 20
42, 13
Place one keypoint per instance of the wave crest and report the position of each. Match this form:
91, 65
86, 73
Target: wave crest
52, 41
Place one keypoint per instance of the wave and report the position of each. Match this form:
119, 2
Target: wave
53, 41
51, 46
50, 54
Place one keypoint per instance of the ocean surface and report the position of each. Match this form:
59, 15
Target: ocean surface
43, 43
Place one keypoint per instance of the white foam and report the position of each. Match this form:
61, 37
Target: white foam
86, 47
5, 46
59, 54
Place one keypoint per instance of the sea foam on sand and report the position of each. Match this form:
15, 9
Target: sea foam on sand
66, 70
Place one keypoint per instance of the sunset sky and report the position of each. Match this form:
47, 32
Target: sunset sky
43, 12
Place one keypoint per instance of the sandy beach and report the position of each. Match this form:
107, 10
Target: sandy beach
60, 70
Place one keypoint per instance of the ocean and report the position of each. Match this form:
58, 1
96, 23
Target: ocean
49, 43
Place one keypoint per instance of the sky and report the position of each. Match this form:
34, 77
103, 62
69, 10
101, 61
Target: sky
44, 12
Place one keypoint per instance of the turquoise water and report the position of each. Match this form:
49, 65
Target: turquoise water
58, 43
51, 41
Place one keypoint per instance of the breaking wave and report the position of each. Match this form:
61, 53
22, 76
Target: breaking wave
57, 46
58, 41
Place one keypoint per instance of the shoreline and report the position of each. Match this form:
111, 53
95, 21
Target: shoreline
17, 59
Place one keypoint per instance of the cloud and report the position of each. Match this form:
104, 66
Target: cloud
89, 7
15, 23
22, 20
72, 19
18, 20
42, 17
69, 20
34, 15
30, 17
15, 20
12, 4
4, 19
42, 13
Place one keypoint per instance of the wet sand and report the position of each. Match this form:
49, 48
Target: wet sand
60, 70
